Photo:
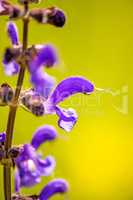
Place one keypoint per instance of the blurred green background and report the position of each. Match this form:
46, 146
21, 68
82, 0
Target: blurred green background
97, 42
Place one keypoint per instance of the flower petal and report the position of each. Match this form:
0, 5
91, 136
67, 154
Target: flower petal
43, 134
46, 166
47, 56
13, 33
17, 181
2, 137
52, 188
29, 179
11, 68
42, 82
67, 118
69, 87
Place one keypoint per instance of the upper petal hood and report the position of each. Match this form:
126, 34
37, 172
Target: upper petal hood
69, 87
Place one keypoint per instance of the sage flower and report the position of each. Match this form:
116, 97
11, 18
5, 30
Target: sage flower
29, 164
66, 88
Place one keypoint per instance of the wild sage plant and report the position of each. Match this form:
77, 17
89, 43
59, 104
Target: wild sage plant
41, 99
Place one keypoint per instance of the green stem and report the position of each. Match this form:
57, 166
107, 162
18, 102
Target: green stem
13, 110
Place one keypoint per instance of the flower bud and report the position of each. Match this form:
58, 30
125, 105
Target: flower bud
34, 103
6, 94
11, 54
14, 152
16, 12
53, 16
5, 7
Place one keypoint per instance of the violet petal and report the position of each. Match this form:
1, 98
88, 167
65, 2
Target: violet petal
46, 166
17, 181
52, 188
11, 68
13, 33
2, 137
69, 87
47, 56
42, 83
43, 134
67, 118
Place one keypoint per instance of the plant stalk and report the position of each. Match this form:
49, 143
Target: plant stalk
13, 109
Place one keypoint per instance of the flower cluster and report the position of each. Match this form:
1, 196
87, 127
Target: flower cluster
43, 98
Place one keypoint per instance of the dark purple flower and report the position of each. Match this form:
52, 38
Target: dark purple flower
54, 187
2, 137
13, 33
46, 56
30, 165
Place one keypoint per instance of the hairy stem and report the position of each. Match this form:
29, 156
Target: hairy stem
13, 109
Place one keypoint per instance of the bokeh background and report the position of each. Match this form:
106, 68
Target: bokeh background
97, 42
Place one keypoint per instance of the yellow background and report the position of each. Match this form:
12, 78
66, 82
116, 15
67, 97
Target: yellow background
97, 42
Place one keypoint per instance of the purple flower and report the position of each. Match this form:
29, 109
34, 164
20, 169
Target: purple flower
66, 88
37, 56
54, 187
30, 165
13, 33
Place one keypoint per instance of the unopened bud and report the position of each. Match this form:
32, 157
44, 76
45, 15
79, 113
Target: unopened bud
34, 103
14, 152
6, 94
53, 16
16, 12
